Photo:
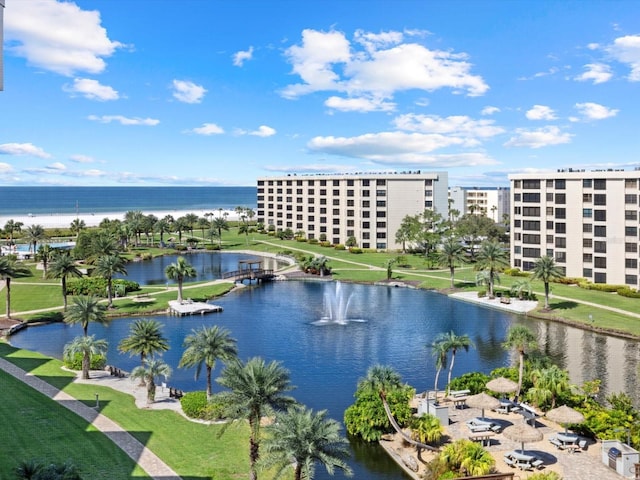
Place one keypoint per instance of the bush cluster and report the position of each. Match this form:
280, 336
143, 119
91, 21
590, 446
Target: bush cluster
600, 287
569, 280
98, 286
324, 243
313, 241
516, 272
340, 247
98, 362
195, 405
628, 292
355, 250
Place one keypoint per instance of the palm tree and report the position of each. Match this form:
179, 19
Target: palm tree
439, 350
218, 224
548, 383
381, 379
162, 226
77, 226
87, 346
106, 267
180, 225
179, 271
148, 372
426, 428
12, 227
40, 470
63, 266
520, 339
204, 347
519, 287
256, 389
45, 254
491, 257
451, 253
452, 343
145, 339
102, 244
85, 309
299, 438
545, 269
34, 234
10, 268
191, 219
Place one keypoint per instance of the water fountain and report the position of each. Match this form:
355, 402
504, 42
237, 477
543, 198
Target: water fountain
336, 308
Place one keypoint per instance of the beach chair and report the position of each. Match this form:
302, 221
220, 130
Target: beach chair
539, 464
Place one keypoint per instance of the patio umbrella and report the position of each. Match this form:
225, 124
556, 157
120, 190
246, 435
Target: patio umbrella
523, 433
502, 385
565, 415
482, 400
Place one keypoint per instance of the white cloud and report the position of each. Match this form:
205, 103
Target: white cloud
392, 147
541, 137
540, 112
5, 168
263, 131
455, 125
92, 89
58, 36
124, 120
489, 110
208, 129
327, 61
360, 104
311, 168
81, 159
242, 56
627, 50
26, 149
57, 166
595, 111
596, 72
188, 92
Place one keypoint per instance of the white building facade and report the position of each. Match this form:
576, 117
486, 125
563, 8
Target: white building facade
492, 202
367, 206
587, 221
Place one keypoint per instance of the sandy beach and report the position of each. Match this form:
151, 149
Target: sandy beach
56, 220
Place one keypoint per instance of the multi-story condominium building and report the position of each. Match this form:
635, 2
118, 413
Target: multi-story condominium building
366, 206
587, 221
492, 202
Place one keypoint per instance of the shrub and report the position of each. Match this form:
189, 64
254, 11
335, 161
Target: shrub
628, 292
98, 362
180, 248
301, 239
324, 243
98, 286
340, 247
473, 381
482, 293
212, 247
313, 241
569, 280
516, 272
600, 287
355, 250
195, 405
272, 234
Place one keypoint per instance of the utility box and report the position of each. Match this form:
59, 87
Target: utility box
620, 457
440, 411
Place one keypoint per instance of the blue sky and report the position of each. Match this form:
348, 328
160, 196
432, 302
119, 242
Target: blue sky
195, 92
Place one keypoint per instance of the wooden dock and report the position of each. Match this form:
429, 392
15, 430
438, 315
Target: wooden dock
188, 307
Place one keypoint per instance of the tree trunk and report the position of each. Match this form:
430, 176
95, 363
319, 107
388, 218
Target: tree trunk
86, 363
7, 285
453, 359
151, 391
64, 292
520, 374
180, 290
254, 453
208, 383
110, 297
546, 295
452, 272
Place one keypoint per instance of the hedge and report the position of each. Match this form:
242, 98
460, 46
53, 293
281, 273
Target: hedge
98, 286
98, 362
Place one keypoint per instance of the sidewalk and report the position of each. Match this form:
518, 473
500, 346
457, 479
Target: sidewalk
146, 459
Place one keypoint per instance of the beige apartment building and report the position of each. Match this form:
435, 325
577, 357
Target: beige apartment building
366, 206
491, 202
586, 220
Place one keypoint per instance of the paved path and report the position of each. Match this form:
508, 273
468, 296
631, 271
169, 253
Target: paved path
140, 454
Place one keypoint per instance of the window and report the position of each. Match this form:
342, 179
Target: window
531, 184
531, 252
381, 214
381, 182
381, 203
600, 216
517, 197
323, 219
587, 212
587, 183
561, 184
323, 183
587, 258
630, 215
549, 197
365, 183
599, 199
381, 245
561, 257
600, 184
600, 247
311, 218
549, 210
630, 183
587, 242
336, 211
531, 197
517, 223
336, 192
366, 204
517, 184
550, 224
365, 214
336, 201
561, 198
550, 239
351, 203
366, 225
561, 242
587, 198
533, 225
350, 193
517, 249
336, 231
323, 191
323, 210
336, 221
587, 272
631, 263
630, 231
428, 183
587, 228
631, 279
549, 183
600, 277
365, 193
531, 211
311, 191
336, 183
366, 235
600, 231
381, 224
600, 262
351, 213
561, 213
381, 234
561, 227
630, 247
349, 183
381, 193
630, 199
531, 239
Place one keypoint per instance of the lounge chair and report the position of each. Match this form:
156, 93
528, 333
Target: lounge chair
554, 441
537, 463
509, 461
582, 444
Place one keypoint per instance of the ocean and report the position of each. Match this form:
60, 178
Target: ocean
89, 200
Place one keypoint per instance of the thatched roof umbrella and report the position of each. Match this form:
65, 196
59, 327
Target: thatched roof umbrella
523, 433
565, 415
482, 400
502, 385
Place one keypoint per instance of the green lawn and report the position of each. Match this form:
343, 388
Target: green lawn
193, 450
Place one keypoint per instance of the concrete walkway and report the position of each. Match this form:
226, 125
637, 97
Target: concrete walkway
140, 454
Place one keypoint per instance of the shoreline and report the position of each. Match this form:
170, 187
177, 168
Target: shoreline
64, 220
